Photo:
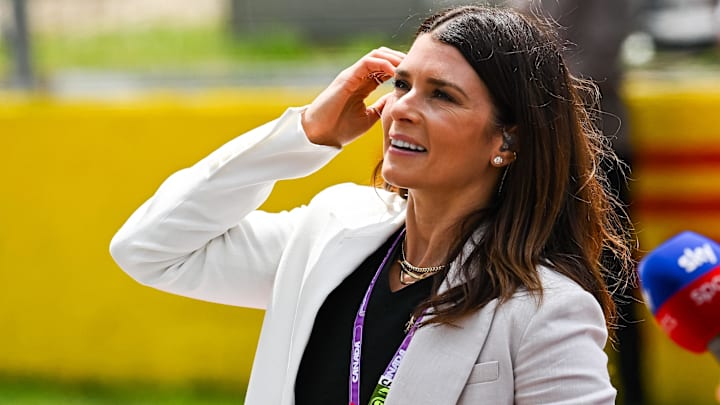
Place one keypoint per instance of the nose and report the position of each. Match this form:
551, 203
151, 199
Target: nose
405, 107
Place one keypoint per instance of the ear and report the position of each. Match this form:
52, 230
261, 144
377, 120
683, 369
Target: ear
505, 152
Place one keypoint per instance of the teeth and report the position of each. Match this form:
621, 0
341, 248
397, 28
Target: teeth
406, 145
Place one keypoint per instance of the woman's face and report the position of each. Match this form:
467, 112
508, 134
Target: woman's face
438, 127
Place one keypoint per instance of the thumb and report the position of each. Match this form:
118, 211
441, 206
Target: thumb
378, 106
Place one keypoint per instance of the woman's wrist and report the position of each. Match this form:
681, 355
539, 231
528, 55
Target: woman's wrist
314, 135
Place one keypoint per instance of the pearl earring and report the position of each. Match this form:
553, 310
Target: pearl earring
498, 160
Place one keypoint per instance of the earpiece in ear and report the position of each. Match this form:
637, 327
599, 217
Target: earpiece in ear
507, 141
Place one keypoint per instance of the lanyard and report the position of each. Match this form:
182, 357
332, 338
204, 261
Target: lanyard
388, 375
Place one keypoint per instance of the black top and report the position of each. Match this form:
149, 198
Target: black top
323, 377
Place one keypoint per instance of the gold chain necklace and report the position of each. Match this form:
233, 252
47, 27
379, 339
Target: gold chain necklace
410, 274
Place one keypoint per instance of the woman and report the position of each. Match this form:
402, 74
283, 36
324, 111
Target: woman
474, 276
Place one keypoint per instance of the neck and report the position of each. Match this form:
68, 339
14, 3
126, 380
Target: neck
430, 221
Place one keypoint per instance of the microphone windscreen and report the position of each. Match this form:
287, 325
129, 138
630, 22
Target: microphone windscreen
680, 281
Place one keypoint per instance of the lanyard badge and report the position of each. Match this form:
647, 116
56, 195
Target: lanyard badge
386, 379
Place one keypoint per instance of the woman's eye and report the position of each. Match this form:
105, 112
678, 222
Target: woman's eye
442, 95
400, 84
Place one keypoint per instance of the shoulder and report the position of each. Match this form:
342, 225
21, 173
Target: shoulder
560, 292
556, 289
566, 300
558, 337
556, 283
563, 303
348, 201
352, 190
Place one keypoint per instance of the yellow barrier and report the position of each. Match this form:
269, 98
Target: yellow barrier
74, 171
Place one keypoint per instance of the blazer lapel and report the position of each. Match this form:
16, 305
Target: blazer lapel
341, 255
439, 360
352, 233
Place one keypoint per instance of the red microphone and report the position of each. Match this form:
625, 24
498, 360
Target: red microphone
680, 281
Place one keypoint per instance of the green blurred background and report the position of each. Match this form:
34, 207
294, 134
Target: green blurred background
121, 94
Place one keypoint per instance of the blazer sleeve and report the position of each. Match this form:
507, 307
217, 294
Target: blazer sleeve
200, 235
561, 358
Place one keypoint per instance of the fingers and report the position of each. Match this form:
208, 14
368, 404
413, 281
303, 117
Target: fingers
374, 112
389, 51
379, 77
339, 113
373, 69
381, 63
378, 106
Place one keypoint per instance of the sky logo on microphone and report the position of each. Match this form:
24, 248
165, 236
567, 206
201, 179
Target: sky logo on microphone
694, 258
681, 282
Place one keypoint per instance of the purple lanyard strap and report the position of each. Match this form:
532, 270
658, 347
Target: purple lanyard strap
356, 349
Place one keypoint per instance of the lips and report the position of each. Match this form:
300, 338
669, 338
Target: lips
405, 145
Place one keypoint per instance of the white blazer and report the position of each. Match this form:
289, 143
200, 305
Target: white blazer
201, 236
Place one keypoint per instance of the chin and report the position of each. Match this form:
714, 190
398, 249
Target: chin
394, 179
387, 175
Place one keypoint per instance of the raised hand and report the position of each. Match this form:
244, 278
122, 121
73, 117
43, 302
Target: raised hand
339, 115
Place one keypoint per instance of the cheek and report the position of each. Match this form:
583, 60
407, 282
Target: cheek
386, 121
387, 108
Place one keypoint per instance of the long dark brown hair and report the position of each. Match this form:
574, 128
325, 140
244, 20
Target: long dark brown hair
555, 207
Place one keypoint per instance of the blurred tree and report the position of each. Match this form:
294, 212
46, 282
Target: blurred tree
236, 12
17, 37
330, 20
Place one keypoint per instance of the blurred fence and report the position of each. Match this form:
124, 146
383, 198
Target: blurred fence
74, 171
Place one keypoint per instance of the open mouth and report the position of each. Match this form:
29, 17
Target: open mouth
406, 146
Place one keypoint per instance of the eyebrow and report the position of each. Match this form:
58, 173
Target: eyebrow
433, 80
